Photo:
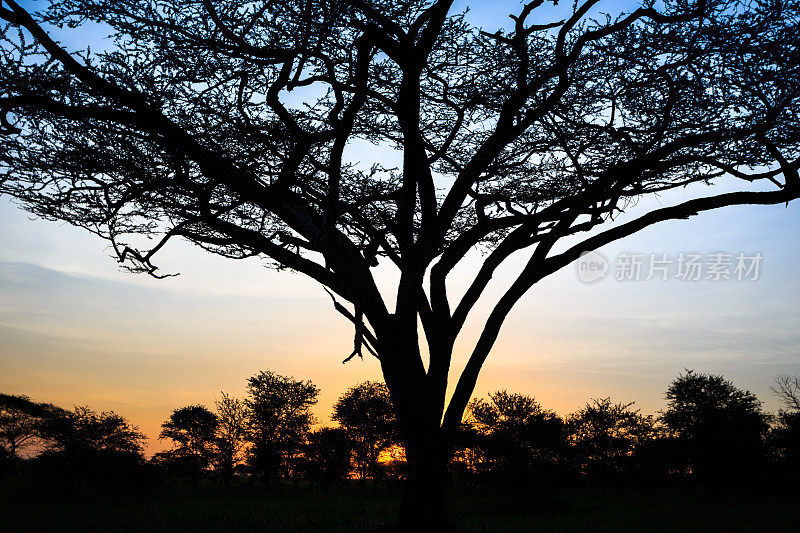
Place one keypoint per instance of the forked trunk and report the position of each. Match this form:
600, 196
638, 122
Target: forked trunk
418, 398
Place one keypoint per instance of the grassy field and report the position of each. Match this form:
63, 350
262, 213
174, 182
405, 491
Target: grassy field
178, 508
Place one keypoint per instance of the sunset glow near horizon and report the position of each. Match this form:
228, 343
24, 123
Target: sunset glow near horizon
74, 330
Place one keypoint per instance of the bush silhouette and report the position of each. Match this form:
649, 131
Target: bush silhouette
722, 427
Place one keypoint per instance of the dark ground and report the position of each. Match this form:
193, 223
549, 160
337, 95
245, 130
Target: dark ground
180, 508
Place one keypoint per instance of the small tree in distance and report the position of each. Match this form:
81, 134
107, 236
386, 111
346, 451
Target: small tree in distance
82, 444
521, 439
605, 435
84, 429
231, 433
786, 433
280, 417
193, 430
787, 389
721, 426
328, 454
365, 413
21, 422
524, 141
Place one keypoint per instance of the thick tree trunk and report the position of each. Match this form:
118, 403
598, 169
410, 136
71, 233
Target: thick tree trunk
418, 398
423, 506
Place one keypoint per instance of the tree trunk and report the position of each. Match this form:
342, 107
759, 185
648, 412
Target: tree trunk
418, 402
423, 506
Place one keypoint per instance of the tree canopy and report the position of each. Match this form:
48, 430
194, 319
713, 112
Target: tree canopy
279, 418
787, 389
518, 428
512, 439
606, 434
84, 429
231, 432
22, 421
786, 433
695, 400
723, 425
365, 413
328, 453
192, 429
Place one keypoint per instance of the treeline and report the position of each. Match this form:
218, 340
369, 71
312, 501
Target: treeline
710, 433
69, 449
268, 435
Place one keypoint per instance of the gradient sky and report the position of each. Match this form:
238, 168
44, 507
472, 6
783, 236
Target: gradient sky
76, 330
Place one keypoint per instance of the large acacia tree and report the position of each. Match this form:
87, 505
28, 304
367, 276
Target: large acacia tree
232, 125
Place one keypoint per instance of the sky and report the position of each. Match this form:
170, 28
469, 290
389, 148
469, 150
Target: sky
75, 330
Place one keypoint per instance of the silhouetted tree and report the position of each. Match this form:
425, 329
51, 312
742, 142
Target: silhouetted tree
522, 440
192, 429
84, 428
605, 436
515, 140
468, 462
723, 427
21, 421
787, 389
279, 419
365, 413
83, 445
328, 454
231, 433
786, 433
18, 427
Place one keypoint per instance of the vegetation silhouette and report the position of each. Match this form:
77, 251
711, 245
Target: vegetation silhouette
232, 416
280, 418
517, 441
606, 437
21, 422
193, 430
785, 433
721, 428
86, 450
329, 454
711, 436
366, 415
524, 140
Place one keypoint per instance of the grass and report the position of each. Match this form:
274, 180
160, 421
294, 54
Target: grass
243, 508
628, 510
